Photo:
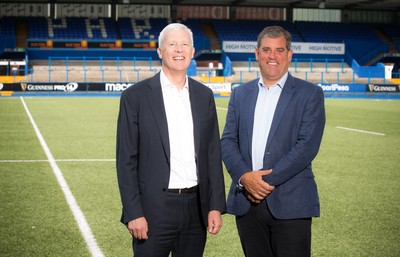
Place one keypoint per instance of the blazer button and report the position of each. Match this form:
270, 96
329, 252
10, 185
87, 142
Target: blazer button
164, 189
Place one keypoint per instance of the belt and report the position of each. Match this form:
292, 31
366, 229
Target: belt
191, 190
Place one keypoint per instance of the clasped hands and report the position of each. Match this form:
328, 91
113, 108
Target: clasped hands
256, 188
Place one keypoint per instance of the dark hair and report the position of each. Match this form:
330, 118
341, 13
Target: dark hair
274, 32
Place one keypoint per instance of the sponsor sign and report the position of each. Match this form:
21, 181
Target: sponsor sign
318, 48
65, 87
117, 86
239, 46
84, 44
219, 87
334, 87
380, 88
297, 47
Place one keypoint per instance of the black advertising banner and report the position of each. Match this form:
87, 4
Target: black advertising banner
110, 86
65, 87
43, 86
10, 87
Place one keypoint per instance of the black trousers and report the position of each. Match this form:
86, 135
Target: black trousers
261, 235
180, 230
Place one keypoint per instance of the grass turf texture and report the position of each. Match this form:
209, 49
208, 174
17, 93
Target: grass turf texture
356, 175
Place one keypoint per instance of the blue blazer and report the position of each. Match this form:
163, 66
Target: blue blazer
293, 142
143, 151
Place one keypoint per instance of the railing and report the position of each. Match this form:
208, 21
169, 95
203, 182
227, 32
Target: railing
98, 69
90, 69
330, 77
207, 76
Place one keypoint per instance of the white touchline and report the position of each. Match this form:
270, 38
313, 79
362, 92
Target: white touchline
361, 131
220, 108
76, 211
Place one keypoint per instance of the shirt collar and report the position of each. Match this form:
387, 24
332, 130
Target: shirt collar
280, 83
165, 83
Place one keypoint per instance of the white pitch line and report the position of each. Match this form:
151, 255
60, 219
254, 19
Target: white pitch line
361, 131
220, 108
76, 211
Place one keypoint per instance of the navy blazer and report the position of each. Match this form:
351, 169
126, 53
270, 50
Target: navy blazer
143, 151
293, 142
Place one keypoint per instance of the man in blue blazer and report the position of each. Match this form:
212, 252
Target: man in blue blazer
273, 131
169, 163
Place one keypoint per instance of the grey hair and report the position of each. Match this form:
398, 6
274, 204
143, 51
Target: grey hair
174, 26
274, 32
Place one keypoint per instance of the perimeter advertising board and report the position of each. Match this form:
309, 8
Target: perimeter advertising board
342, 88
217, 88
65, 87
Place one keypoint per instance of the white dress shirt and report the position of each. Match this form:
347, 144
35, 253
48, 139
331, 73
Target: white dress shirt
180, 131
263, 115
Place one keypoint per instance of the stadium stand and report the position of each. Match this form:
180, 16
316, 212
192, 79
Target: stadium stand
148, 29
7, 26
248, 30
72, 28
144, 29
39, 28
335, 32
360, 39
365, 42
141, 29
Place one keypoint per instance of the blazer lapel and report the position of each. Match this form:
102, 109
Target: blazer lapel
283, 101
157, 107
194, 105
251, 100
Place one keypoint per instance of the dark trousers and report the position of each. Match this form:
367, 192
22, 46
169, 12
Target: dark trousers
262, 235
179, 231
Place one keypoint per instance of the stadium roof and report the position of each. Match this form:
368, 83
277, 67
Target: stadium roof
389, 5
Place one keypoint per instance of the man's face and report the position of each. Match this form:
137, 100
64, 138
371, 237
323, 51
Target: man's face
177, 50
273, 59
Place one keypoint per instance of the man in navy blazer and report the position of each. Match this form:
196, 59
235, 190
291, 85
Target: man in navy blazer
273, 131
169, 163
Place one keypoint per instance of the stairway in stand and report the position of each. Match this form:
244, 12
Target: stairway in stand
21, 32
212, 35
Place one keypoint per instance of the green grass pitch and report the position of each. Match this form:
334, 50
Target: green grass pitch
356, 173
